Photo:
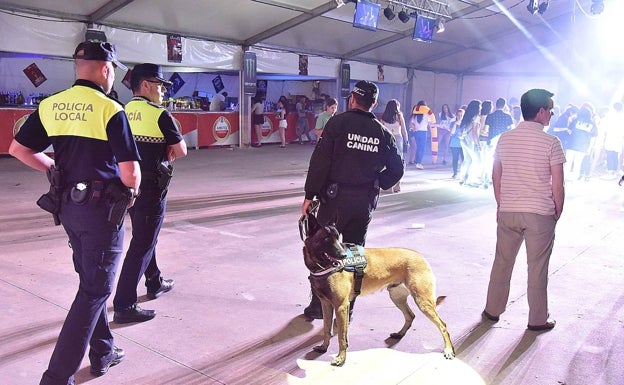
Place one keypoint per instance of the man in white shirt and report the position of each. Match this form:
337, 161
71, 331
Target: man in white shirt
218, 101
529, 189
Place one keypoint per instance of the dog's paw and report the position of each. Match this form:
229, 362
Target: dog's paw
320, 349
338, 361
449, 354
397, 336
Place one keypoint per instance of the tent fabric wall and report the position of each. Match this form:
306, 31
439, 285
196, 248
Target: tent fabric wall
423, 89
59, 73
274, 62
41, 37
195, 53
59, 39
365, 71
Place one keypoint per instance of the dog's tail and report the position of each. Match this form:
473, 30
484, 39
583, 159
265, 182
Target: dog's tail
440, 300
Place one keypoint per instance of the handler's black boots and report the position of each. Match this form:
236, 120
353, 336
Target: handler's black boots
314, 309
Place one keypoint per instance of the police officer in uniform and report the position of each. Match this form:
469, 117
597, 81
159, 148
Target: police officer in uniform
356, 157
95, 152
159, 142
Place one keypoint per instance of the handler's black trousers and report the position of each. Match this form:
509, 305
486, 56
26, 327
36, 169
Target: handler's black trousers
351, 211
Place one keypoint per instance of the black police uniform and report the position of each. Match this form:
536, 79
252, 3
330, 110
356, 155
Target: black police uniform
356, 156
154, 129
90, 134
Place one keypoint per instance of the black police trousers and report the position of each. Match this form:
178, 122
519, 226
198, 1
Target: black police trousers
97, 247
147, 215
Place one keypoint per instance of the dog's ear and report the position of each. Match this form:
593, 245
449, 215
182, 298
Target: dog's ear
313, 225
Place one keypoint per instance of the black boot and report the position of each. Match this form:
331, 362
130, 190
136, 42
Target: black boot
314, 309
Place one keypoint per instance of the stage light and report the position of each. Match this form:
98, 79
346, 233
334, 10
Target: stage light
389, 13
542, 7
439, 25
532, 7
597, 7
403, 16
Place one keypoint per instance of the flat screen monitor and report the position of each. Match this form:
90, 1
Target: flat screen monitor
366, 15
423, 29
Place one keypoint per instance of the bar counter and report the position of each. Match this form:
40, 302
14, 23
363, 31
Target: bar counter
200, 128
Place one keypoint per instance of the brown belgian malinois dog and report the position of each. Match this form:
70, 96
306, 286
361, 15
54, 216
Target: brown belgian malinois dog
402, 271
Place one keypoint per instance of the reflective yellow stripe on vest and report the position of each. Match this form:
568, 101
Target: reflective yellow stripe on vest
78, 111
143, 117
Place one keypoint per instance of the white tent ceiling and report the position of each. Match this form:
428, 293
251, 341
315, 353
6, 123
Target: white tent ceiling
480, 35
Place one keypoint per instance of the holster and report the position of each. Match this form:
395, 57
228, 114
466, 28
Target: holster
330, 191
119, 197
51, 201
164, 175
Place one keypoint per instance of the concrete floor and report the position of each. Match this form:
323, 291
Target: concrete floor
230, 241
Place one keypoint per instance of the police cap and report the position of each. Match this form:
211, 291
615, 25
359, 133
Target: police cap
367, 90
103, 51
148, 70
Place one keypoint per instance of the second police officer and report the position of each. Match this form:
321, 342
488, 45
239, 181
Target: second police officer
160, 142
356, 157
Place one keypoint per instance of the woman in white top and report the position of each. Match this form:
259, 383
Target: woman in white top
393, 120
422, 119
469, 137
444, 131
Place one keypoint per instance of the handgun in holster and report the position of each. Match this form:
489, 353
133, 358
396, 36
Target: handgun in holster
119, 197
164, 175
51, 201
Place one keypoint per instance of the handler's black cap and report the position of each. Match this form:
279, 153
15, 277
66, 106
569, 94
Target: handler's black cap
366, 89
149, 70
104, 51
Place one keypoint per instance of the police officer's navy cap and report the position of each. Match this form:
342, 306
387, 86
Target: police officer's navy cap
149, 70
366, 89
104, 51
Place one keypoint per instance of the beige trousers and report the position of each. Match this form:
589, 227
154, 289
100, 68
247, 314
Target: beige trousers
538, 233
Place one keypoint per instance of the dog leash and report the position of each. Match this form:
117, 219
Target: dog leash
303, 220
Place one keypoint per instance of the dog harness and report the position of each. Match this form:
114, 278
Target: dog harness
354, 261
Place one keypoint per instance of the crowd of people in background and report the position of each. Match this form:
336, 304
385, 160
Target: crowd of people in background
592, 138
465, 137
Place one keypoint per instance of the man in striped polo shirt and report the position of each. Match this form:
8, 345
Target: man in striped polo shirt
529, 190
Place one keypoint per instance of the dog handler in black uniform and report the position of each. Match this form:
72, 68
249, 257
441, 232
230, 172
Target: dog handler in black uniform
356, 157
159, 142
96, 155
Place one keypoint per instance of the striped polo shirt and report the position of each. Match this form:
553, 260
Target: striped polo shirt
526, 154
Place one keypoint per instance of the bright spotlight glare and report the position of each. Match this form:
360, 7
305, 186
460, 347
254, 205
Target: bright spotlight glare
597, 7
607, 28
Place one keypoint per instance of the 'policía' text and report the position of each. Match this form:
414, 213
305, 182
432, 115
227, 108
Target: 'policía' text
71, 111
